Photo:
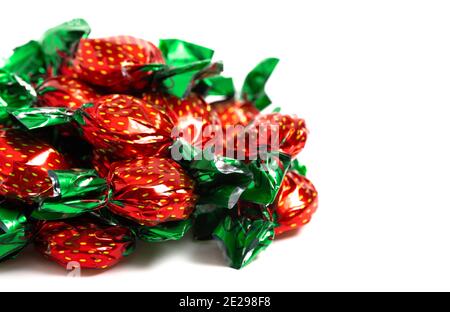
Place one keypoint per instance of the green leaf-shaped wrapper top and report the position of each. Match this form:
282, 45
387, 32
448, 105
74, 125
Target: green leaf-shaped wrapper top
14, 232
219, 180
77, 191
268, 172
187, 62
253, 89
222, 181
298, 167
15, 93
243, 238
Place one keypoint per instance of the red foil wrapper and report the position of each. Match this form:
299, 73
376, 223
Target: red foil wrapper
296, 203
235, 112
126, 127
92, 245
150, 191
65, 92
116, 63
292, 132
190, 115
24, 162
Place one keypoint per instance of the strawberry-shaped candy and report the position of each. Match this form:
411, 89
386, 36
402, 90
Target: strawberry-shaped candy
191, 115
85, 241
284, 133
297, 201
116, 63
150, 191
127, 126
121, 125
65, 92
24, 166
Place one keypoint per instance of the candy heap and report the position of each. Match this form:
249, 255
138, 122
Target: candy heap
104, 142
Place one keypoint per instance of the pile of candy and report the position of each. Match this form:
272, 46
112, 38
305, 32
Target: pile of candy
104, 142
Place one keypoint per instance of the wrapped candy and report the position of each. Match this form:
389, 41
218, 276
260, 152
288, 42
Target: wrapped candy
150, 191
296, 203
118, 124
116, 64
190, 116
166, 143
89, 243
33, 172
25, 163
290, 132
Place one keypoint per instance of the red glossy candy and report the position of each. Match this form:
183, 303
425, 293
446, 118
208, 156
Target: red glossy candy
126, 127
24, 162
297, 201
116, 63
234, 112
65, 92
190, 115
292, 132
151, 190
92, 245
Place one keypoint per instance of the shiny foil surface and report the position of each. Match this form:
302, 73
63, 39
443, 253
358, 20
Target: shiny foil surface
190, 116
90, 244
111, 140
126, 126
24, 166
290, 131
116, 63
14, 231
67, 92
296, 203
150, 191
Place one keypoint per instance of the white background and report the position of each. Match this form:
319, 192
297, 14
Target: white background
372, 80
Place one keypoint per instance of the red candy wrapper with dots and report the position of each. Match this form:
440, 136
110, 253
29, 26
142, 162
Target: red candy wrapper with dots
108, 141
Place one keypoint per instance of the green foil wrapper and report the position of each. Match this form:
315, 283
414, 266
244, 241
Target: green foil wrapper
268, 173
78, 191
15, 93
219, 180
216, 86
222, 181
253, 89
298, 167
35, 59
187, 63
244, 238
41, 117
153, 234
206, 219
14, 232
163, 232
